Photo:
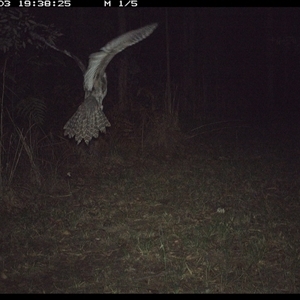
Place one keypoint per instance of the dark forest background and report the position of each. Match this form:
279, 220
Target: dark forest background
203, 69
223, 62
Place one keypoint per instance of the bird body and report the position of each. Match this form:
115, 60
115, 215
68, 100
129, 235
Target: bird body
89, 118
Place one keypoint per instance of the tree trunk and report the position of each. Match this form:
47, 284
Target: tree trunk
270, 61
123, 68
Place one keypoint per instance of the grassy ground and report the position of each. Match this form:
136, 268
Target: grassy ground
220, 218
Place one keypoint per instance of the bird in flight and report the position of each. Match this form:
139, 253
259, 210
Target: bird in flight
89, 118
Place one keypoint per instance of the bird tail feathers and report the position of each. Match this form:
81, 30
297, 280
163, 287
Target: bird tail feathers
87, 121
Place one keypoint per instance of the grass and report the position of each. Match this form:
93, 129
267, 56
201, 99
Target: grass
217, 219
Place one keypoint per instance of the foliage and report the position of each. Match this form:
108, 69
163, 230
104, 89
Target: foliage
17, 30
33, 109
17, 26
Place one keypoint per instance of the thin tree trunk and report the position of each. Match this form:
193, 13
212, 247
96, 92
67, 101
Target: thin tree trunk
168, 95
190, 82
123, 69
270, 60
1, 127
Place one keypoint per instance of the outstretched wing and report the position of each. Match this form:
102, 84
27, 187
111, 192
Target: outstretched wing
98, 61
89, 118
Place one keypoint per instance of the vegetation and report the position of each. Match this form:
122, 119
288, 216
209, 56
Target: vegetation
152, 206
216, 219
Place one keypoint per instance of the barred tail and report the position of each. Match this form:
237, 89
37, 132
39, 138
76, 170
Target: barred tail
87, 121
